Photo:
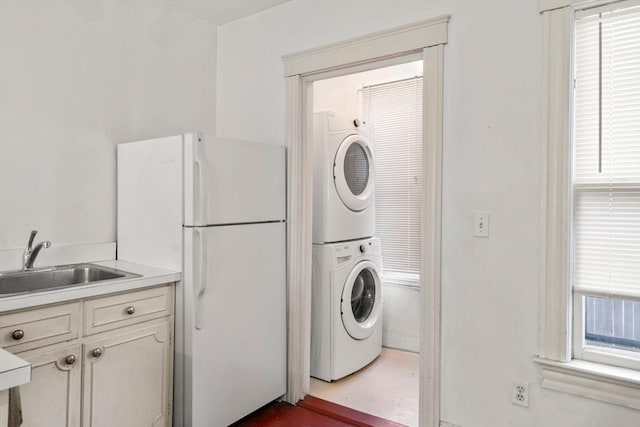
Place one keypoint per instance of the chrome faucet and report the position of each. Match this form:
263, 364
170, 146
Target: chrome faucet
30, 254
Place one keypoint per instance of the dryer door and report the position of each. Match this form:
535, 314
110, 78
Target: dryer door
361, 302
353, 172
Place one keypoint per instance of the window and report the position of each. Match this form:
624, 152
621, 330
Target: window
394, 110
606, 187
591, 289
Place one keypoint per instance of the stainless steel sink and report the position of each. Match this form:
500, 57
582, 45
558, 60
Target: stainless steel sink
44, 279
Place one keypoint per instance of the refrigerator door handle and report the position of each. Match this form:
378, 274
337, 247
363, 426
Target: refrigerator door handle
202, 279
200, 175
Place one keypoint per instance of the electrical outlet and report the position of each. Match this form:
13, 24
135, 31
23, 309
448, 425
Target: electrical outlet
520, 394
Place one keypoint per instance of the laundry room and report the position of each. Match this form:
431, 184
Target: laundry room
367, 149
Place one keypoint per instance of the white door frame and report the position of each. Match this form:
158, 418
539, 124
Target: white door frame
424, 40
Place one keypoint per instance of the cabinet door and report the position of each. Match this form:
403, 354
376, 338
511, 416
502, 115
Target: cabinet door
128, 377
52, 398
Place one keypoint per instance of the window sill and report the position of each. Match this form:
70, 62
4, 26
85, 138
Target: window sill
619, 386
401, 282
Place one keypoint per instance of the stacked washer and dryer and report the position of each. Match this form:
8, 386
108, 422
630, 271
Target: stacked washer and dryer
346, 322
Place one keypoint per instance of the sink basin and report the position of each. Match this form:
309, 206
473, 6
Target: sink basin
45, 279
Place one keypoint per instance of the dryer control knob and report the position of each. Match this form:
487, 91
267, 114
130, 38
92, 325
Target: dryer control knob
363, 248
356, 123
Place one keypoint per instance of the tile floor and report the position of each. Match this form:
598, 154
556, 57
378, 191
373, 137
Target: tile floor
387, 388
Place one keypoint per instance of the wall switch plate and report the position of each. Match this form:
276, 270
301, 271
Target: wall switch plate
481, 224
520, 394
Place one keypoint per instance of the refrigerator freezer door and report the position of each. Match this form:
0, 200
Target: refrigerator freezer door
232, 182
235, 324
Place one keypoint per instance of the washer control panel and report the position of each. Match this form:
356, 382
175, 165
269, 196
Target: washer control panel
350, 251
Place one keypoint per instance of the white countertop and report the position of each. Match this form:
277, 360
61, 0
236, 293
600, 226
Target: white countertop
149, 276
15, 371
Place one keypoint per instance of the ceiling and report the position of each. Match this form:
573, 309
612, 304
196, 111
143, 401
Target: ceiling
220, 12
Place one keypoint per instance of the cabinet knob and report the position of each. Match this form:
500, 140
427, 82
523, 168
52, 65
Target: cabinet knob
130, 310
97, 352
18, 334
70, 360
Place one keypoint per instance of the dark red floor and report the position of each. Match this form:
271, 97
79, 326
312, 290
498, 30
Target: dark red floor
311, 412
284, 415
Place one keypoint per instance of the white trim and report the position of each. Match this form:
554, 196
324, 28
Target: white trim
400, 40
611, 356
578, 341
299, 209
547, 5
400, 281
299, 111
610, 384
367, 66
625, 292
555, 318
431, 236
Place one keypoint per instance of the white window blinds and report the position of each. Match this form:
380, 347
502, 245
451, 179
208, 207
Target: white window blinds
607, 154
395, 112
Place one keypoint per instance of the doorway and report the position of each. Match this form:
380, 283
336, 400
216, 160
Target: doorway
382, 109
421, 41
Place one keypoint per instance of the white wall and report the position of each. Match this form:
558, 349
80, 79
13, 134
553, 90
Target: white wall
492, 161
341, 93
401, 317
338, 94
75, 79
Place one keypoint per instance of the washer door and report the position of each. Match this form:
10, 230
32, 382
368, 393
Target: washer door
353, 172
361, 301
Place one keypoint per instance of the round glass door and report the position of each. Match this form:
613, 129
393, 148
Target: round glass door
363, 296
354, 173
356, 169
361, 300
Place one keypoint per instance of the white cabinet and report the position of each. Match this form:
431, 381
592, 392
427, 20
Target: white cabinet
52, 398
127, 378
106, 361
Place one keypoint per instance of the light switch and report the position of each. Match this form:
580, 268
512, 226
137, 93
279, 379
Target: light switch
481, 224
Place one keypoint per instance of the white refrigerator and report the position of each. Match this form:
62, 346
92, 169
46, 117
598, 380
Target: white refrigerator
214, 209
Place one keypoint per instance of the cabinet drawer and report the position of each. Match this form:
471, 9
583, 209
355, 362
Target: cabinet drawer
29, 329
106, 313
